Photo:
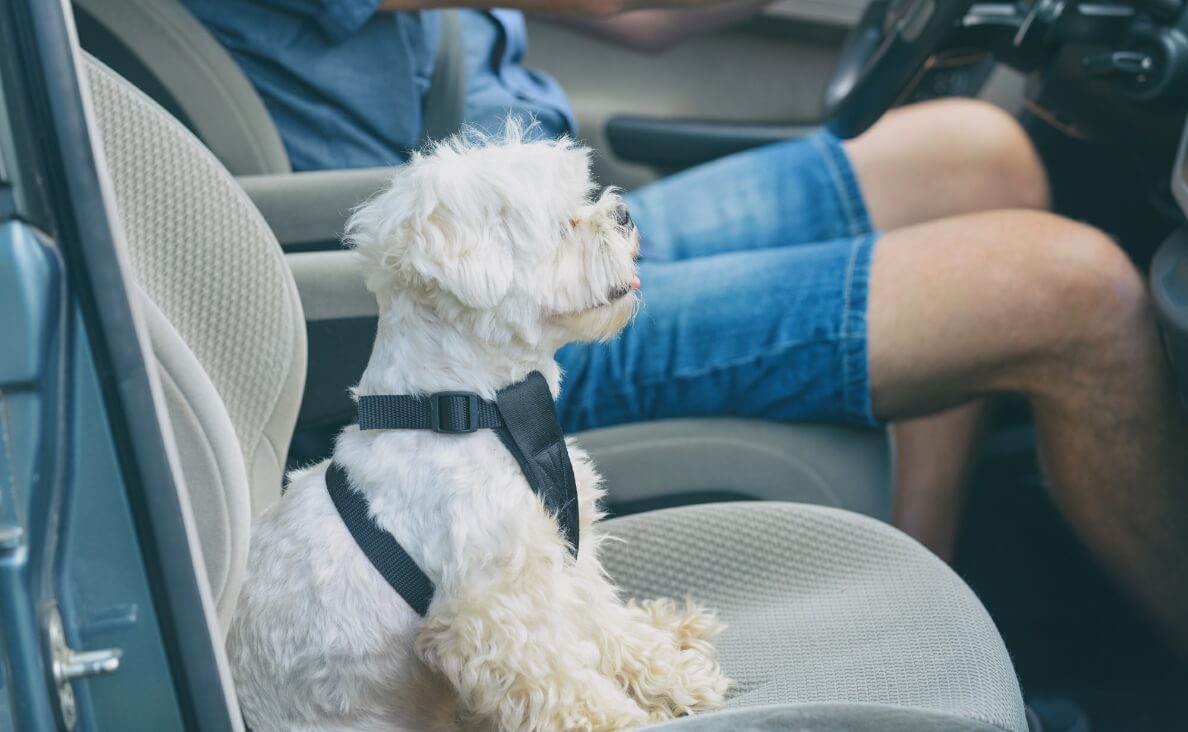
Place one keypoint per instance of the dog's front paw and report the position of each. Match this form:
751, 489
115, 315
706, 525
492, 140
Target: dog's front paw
601, 706
675, 673
694, 627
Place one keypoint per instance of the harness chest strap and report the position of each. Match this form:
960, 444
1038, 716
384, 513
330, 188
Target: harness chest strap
523, 416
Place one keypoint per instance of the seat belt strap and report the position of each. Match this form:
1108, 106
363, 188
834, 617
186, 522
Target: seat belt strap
381, 548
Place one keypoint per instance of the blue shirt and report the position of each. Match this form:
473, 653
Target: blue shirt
345, 84
497, 83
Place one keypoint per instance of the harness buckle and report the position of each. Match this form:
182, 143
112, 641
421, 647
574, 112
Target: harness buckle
441, 411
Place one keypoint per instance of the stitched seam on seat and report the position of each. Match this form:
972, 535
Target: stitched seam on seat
220, 493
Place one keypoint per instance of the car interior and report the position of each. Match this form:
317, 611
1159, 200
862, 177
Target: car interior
228, 333
259, 323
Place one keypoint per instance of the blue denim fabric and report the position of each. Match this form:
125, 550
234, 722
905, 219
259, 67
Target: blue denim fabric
755, 272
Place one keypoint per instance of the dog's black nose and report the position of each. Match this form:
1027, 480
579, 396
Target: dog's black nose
623, 217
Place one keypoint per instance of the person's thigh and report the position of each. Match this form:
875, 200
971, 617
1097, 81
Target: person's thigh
779, 195
982, 303
772, 333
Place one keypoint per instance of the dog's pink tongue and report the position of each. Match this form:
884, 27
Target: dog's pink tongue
634, 283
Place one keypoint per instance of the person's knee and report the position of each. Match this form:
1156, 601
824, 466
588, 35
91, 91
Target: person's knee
1093, 286
1027, 300
1012, 172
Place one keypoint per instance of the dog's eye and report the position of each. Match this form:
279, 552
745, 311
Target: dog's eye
623, 217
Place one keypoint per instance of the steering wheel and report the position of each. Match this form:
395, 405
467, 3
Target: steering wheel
892, 41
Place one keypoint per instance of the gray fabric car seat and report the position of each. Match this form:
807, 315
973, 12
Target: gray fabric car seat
162, 49
837, 622
825, 607
227, 327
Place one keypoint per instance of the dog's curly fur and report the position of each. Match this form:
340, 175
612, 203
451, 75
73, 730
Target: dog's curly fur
486, 255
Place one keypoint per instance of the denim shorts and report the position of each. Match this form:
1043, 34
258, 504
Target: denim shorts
755, 272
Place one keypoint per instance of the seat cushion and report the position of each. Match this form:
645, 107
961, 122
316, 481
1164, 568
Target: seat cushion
824, 607
681, 461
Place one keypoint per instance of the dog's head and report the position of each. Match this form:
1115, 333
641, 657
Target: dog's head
504, 236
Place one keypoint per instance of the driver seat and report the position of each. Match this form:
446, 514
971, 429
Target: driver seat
835, 621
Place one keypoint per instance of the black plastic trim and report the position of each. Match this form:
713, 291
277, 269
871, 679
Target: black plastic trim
51, 71
681, 143
327, 399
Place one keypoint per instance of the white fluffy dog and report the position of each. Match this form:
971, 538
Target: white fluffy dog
486, 257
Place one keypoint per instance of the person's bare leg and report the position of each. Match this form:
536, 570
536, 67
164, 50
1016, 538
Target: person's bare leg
1029, 303
934, 457
927, 162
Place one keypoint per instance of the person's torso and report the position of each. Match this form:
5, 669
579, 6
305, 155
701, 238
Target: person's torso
345, 84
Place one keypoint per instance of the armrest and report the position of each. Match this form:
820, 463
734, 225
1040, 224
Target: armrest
681, 143
308, 211
340, 321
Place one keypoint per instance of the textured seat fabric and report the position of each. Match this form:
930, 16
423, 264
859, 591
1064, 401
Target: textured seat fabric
229, 316
824, 607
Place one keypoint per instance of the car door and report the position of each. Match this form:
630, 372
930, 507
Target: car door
105, 623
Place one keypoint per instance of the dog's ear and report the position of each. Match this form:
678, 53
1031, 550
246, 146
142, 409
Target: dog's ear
418, 242
470, 260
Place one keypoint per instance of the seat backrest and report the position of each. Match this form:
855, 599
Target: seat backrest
223, 313
167, 53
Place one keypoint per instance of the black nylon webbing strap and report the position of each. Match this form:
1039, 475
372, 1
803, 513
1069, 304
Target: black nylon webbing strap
532, 433
453, 412
381, 548
525, 418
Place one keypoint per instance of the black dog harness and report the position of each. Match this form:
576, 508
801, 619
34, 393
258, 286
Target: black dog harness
524, 417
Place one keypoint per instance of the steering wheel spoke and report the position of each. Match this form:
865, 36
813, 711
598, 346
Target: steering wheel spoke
883, 55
